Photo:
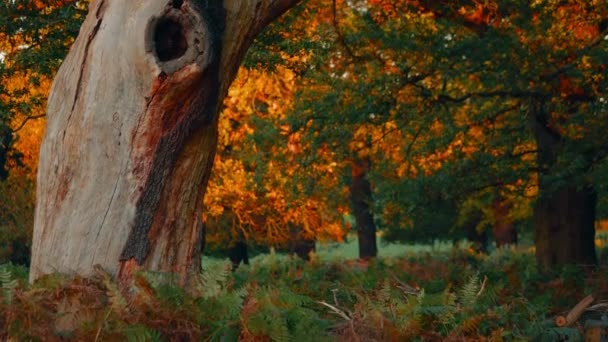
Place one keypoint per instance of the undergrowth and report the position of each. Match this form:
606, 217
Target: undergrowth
444, 296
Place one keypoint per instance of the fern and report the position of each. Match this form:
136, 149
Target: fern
8, 283
282, 315
468, 292
279, 331
560, 334
447, 316
471, 325
141, 333
214, 278
118, 303
384, 294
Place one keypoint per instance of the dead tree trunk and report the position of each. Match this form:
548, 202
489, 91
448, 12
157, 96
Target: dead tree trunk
131, 133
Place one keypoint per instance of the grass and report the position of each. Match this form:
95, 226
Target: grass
350, 250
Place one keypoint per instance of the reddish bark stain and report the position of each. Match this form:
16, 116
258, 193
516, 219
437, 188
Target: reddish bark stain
126, 269
63, 185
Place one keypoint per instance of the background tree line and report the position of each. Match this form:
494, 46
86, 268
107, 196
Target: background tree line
422, 119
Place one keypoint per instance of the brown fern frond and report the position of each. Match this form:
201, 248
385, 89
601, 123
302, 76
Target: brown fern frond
470, 326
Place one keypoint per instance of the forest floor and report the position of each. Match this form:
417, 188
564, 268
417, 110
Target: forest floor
424, 293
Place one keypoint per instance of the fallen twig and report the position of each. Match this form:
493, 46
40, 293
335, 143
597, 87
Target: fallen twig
336, 311
483, 286
407, 289
602, 306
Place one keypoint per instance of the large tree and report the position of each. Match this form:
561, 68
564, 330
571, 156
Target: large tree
132, 131
514, 89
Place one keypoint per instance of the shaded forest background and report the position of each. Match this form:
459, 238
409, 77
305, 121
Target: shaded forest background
420, 121
351, 122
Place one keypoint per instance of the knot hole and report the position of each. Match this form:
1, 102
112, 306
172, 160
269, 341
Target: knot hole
170, 39
177, 3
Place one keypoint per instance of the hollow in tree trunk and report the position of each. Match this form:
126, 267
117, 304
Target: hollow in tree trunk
361, 197
132, 130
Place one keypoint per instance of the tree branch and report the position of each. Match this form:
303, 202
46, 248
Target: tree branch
31, 117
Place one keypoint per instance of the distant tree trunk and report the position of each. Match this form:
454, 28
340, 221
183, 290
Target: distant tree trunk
238, 253
20, 252
132, 131
564, 214
564, 227
479, 240
299, 244
504, 230
361, 197
6, 141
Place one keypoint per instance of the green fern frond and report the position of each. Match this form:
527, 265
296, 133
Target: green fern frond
560, 334
214, 278
468, 293
384, 294
279, 331
141, 333
232, 303
8, 284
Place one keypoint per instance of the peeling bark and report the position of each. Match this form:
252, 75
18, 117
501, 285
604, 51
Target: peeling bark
132, 131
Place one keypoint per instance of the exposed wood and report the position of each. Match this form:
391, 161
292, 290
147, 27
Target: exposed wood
132, 131
575, 313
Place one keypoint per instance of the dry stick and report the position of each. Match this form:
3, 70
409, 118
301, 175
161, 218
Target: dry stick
102, 324
575, 313
483, 286
335, 310
601, 306
407, 289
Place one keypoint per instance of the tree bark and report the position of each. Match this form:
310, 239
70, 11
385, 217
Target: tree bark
299, 244
564, 213
564, 228
132, 131
238, 253
6, 141
478, 240
504, 230
361, 197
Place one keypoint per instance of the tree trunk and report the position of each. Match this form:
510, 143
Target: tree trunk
299, 244
131, 133
564, 213
361, 197
504, 230
238, 253
564, 228
6, 141
505, 234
